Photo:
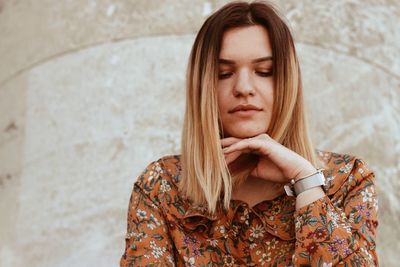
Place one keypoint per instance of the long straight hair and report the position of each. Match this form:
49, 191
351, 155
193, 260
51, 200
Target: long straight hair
205, 176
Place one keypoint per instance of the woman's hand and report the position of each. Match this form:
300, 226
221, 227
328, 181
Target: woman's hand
276, 162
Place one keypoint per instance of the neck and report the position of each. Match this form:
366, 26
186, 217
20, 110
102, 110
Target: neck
255, 190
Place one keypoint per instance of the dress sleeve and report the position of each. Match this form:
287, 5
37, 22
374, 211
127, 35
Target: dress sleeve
327, 235
148, 242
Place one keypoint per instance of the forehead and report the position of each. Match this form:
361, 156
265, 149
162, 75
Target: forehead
247, 42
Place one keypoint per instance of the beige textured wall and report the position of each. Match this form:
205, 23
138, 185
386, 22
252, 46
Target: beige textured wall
92, 91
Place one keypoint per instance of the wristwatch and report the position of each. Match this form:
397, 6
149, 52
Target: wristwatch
294, 188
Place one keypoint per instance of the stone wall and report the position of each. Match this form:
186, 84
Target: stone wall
92, 91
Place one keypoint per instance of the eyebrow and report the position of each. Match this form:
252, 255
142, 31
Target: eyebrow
232, 62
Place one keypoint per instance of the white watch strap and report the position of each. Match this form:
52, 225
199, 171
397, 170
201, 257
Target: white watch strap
315, 180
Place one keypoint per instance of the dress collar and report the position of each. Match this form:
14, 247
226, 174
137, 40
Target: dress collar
277, 214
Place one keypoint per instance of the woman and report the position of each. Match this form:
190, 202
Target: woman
222, 202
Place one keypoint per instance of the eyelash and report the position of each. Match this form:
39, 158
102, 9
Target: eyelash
262, 74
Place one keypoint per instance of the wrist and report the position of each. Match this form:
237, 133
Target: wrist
307, 197
307, 171
305, 180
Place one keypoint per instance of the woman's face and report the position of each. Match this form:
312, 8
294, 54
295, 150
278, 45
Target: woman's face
245, 86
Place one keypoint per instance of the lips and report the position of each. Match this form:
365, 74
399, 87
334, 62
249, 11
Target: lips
244, 107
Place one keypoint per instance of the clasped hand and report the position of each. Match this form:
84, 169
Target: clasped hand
276, 163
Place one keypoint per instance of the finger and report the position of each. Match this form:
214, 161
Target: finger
263, 136
231, 157
229, 141
225, 142
269, 171
249, 145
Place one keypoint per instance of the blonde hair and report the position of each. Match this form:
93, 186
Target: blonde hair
205, 175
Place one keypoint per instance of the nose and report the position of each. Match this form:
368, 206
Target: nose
244, 85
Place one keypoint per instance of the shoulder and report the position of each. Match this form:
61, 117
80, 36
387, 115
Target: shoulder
160, 177
343, 171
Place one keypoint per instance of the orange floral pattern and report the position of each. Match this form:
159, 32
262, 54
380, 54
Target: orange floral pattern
166, 229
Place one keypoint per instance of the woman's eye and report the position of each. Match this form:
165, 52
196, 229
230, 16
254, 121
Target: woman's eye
264, 74
222, 76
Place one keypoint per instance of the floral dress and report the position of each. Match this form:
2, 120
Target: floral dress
166, 229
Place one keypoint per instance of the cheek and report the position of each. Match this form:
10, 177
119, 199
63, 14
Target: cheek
267, 95
269, 99
223, 99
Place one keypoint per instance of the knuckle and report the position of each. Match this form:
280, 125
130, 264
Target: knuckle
262, 137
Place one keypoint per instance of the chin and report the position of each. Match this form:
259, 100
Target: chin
245, 133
